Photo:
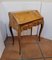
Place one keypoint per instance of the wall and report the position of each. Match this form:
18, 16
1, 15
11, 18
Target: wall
46, 11
2, 46
19, 0
2, 33
26, 0
2, 22
18, 6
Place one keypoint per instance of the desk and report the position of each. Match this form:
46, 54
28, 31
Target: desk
24, 20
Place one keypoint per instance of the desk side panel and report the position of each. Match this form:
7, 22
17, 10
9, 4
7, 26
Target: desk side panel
12, 22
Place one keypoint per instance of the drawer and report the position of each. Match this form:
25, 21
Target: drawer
24, 27
28, 25
31, 24
40, 21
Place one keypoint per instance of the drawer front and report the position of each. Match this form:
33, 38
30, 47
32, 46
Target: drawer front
24, 27
31, 24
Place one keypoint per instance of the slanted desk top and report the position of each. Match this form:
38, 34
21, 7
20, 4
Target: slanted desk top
26, 16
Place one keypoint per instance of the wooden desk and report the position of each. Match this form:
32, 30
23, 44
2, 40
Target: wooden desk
24, 20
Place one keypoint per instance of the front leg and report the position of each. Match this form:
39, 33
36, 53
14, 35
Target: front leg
31, 30
10, 28
19, 33
42, 24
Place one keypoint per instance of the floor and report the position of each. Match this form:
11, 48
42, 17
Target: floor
31, 49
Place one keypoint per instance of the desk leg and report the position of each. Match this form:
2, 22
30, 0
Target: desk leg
40, 30
31, 31
19, 33
11, 34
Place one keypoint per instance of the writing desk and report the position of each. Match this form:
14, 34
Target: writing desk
24, 20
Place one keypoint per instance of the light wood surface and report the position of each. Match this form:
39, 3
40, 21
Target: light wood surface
26, 16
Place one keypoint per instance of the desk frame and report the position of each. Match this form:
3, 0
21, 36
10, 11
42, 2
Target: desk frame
19, 30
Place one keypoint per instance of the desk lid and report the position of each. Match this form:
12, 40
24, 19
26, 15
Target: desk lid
26, 16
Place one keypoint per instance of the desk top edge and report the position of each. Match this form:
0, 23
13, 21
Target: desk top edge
13, 13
